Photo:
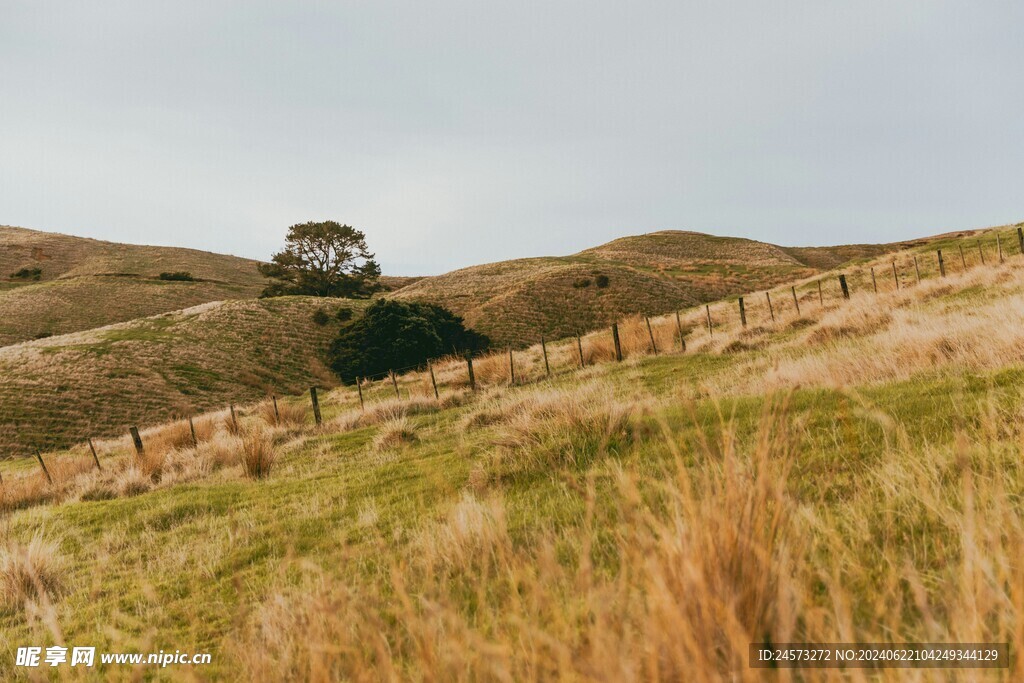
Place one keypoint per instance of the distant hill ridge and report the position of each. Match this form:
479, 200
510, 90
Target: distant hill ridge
85, 283
516, 302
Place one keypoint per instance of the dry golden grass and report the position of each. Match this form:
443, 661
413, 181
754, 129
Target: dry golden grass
394, 433
283, 414
35, 571
258, 454
709, 556
89, 283
57, 391
516, 302
693, 540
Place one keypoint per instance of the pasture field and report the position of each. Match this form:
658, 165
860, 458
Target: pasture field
852, 472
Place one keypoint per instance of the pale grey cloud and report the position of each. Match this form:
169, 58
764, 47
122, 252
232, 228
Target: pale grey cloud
460, 132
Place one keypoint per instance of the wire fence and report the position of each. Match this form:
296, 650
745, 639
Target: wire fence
636, 336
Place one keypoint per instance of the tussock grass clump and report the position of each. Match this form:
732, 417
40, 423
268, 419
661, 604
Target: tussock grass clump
391, 409
35, 571
561, 428
288, 415
472, 528
132, 481
223, 450
492, 368
394, 433
258, 454
231, 424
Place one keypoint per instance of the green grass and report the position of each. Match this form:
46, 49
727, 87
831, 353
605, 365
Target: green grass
181, 564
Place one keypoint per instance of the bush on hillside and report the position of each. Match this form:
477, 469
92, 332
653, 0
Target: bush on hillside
393, 335
344, 314
320, 317
178, 276
581, 283
601, 281
27, 274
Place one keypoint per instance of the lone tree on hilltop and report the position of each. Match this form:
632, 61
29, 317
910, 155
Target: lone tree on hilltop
323, 259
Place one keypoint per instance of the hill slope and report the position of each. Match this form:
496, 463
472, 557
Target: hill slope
56, 391
849, 472
515, 302
85, 283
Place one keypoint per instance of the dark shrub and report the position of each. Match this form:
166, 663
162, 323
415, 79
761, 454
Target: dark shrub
43, 335
394, 335
581, 283
320, 317
179, 276
344, 314
601, 281
27, 274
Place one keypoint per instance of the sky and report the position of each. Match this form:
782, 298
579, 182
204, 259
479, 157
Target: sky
457, 133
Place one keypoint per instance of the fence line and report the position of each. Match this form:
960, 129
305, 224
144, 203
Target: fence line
530, 359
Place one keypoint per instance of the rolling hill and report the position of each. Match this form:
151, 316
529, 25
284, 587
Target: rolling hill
99, 377
55, 391
84, 283
850, 472
515, 302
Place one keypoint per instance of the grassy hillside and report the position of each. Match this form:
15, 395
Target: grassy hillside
515, 302
55, 391
851, 472
85, 283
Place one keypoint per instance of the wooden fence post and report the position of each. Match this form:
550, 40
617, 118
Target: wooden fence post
917, 269
615, 339
137, 440
679, 329
394, 383
711, 331
999, 248
544, 348
192, 429
511, 367
771, 309
433, 381
821, 298
963, 261
895, 276
95, 458
469, 366
316, 405
277, 415
650, 333
39, 457
1020, 239
942, 264
579, 345
796, 301
743, 313
359, 388
874, 282
842, 283
981, 253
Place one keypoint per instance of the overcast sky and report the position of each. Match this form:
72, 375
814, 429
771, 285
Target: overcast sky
456, 133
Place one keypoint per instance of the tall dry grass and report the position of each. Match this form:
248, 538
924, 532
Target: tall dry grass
671, 576
32, 572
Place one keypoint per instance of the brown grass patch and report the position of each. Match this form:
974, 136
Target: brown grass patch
34, 572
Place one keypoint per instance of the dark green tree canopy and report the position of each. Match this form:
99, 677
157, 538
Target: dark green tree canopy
393, 335
323, 259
